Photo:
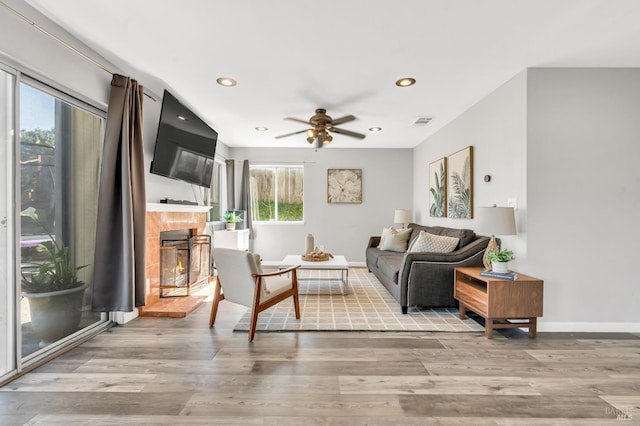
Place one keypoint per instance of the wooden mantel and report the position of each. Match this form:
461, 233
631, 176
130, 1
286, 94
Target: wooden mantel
160, 218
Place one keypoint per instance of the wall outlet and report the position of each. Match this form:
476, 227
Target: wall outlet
512, 202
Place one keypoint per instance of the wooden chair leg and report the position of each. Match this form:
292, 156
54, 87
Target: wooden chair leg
254, 323
217, 297
255, 309
296, 297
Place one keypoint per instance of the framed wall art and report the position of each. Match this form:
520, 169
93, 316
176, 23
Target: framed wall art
344, 186
437, 188
460, 184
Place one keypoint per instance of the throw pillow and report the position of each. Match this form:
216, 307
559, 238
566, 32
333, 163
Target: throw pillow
431, 243
394, 239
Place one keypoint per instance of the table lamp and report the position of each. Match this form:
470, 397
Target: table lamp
496, 221
403, 216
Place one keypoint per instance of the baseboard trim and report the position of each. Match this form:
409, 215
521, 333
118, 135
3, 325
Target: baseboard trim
276, 263
589, 327
124, 317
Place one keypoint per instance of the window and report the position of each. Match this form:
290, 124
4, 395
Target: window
212, 195
277, 193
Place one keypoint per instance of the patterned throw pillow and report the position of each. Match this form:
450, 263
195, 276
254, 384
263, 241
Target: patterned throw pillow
430, 243
394, 239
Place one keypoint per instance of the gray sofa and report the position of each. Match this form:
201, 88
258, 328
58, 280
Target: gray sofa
425, 279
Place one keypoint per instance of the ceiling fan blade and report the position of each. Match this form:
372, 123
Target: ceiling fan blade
291, 134
344, 119
298, 120
346, 132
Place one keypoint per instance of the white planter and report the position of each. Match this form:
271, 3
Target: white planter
501, 267
231, 226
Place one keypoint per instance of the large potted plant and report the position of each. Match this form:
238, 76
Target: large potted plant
52, 287
499, 260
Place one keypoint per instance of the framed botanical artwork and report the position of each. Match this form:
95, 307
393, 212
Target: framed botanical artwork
344, 186
437, 188
460, 184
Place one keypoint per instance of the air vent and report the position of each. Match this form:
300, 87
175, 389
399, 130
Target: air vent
421, 121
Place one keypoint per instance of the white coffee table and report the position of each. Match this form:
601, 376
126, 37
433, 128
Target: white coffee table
338, 263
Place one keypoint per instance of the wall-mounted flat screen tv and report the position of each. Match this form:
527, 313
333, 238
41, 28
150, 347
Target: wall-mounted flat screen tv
185, 145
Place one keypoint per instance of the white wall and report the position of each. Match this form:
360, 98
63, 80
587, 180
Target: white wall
584, 195
565, 143
496, 128
48, 60
342, 228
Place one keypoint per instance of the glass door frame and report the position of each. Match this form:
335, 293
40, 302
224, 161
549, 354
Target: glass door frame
13, 341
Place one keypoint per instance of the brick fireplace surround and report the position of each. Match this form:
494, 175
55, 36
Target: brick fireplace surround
160, 218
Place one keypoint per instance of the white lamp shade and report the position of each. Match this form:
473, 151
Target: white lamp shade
496, 220
402, 216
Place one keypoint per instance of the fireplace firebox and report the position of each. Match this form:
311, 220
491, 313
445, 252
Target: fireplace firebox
185, 261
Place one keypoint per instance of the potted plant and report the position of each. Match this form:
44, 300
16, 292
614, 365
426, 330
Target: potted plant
232, 218
499, 259
52, 287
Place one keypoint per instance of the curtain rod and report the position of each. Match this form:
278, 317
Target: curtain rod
62, 42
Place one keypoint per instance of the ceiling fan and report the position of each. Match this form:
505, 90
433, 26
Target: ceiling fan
321, 124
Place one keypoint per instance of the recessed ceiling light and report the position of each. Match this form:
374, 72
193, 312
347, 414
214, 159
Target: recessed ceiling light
226, 81
262, 129
406, 82
375, 129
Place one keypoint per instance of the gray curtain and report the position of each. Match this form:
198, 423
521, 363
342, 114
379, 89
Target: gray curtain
119, 268
231, 184
245, 197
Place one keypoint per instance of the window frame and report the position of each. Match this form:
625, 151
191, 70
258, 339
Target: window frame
276, 221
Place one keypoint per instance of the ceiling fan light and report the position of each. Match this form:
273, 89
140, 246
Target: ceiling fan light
310, 139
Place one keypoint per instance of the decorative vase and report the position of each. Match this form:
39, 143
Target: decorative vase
500, 267
55, 314
308, 246
231, 226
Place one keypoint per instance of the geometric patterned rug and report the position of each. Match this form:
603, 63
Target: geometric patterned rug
368, 306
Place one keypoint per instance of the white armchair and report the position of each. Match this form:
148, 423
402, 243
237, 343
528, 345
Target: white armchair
240, 280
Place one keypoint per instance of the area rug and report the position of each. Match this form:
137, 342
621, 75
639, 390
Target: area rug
367, 306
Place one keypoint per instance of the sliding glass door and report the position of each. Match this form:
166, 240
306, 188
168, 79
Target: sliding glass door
51, 146
60, 146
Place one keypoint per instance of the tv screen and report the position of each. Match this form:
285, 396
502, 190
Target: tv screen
185, 145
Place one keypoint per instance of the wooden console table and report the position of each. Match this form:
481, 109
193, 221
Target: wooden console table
499, 300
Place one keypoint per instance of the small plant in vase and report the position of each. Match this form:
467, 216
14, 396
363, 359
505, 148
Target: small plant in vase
499, 259
232, 218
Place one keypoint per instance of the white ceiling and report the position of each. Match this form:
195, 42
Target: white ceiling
292, 56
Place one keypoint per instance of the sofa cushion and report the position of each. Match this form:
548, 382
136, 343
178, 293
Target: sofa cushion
373, 253
416, 231
430, 243
464, 235
394, 239
390, 266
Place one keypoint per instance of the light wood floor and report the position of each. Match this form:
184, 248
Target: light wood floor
179, 372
